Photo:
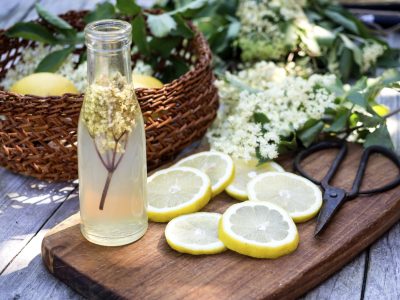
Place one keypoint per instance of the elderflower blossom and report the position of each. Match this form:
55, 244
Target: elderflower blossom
287, 102
371, 52
109, 112
31, 57
262, 34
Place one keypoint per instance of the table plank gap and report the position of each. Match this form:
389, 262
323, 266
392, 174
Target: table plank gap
38, 230
345, 284
366, 268
25, 205
26, 277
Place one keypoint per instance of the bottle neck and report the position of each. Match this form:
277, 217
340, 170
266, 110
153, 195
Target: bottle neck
108, 45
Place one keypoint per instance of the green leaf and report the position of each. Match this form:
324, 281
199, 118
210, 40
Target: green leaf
164, 46
324, 37
390, 77
379, 136
234, 28
340, 123
161, 25
191, 8
390, 59
357, 98
139, 35
342, 20
357, 53
345, 64
369, 121
52, 19
287, 144
103, 10
310, 132
82, 57
53, 61
336, 88
32, 31
260, 118
128, 7
174, 70
182, 28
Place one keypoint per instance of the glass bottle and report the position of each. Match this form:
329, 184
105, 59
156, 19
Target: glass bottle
111, 141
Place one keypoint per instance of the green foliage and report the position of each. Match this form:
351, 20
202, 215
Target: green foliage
312, 128
64, 34
52, 19
53, 61
168, 30
365, 125
128, 7
161, 25
32, 31
103, 10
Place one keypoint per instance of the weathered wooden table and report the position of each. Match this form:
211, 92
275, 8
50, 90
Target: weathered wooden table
29, 208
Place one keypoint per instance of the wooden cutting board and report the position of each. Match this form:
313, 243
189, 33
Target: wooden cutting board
149, 269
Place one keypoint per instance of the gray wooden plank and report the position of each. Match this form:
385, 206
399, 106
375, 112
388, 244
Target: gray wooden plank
346, 284
26, 203
13, 10
26, 277
383, 277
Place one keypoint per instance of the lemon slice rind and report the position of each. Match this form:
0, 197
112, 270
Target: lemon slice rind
273, 249
197, 202
223, 181
174, 241
299, 216
241, 194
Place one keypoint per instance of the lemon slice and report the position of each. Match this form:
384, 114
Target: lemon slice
258, 229
217, 165
244, 172
176, 191
301, 198
195, 233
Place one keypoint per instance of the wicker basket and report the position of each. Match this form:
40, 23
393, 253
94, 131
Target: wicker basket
38, 134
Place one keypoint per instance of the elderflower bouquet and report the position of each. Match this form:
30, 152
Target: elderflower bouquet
317, 35
265, 111
319, 32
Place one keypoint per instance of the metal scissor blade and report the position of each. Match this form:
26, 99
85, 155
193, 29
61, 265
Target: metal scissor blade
333, 199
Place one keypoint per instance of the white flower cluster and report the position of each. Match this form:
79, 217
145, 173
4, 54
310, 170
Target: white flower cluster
371, 52
31, 57
287, 102
262, 33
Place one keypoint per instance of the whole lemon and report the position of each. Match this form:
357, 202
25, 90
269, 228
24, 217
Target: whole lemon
44, 84
144, 81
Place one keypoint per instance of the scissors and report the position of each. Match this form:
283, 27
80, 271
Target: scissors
334, 197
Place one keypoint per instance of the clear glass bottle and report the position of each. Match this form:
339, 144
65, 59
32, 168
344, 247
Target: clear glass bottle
111, 141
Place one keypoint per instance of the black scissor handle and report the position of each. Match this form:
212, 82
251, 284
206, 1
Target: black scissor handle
316, 148
355, 190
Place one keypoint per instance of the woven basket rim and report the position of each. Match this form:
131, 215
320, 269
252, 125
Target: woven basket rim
203, 57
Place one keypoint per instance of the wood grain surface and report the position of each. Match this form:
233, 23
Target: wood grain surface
149, 269
373, 275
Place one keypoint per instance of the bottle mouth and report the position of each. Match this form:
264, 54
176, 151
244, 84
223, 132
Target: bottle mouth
108, 30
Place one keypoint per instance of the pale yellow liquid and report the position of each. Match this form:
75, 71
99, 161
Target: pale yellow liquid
124, 217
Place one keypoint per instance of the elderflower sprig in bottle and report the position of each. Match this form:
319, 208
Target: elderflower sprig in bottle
111, 141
